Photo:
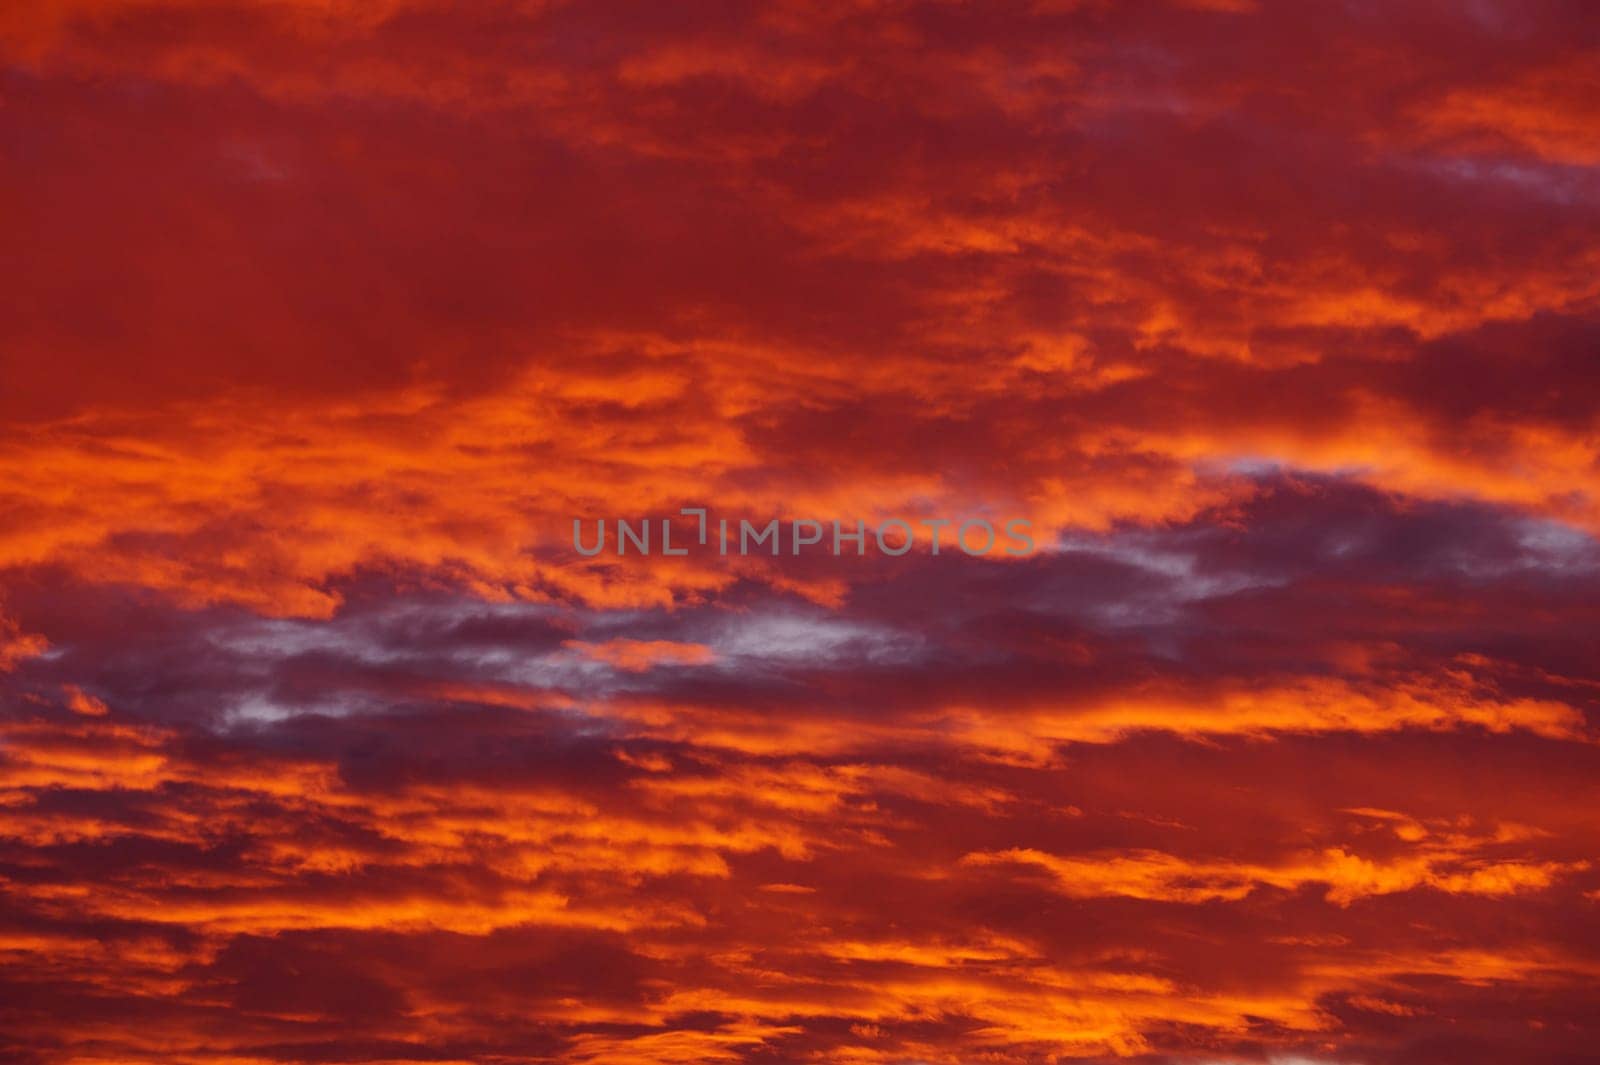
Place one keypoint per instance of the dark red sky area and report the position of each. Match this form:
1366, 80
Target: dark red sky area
321, 320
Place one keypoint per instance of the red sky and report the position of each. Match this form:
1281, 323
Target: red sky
321, 320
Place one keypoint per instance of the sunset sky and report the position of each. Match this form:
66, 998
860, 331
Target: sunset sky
321, 321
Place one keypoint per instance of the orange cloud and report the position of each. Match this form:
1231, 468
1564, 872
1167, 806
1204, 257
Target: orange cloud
319, 741
637, 656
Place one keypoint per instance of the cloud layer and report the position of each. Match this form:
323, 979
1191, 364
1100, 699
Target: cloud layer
320, 743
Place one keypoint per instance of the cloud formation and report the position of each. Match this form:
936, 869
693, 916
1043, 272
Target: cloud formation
319, 742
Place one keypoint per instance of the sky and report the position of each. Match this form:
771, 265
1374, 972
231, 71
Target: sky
323, 321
